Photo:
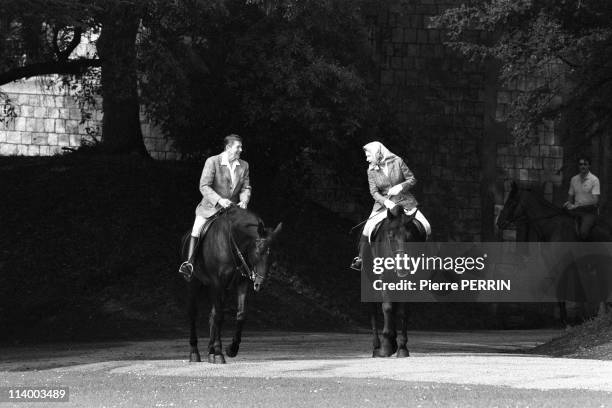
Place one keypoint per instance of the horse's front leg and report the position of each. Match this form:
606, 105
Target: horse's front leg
402, 337
374, 323
195, 288
215, 321
241, 292
389, 343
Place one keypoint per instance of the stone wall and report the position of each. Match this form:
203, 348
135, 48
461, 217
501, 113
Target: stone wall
443, 102
48, 121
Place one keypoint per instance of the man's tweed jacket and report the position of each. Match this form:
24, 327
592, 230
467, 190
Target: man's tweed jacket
216, 183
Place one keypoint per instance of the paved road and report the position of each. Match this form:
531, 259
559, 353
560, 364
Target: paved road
315, 369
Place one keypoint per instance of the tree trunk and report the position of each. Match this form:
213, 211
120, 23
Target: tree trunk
121, 132
493, 132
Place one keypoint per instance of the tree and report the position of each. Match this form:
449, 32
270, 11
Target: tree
293, 77
40, 37
557, 52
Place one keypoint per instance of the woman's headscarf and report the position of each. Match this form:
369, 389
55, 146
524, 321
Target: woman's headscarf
380, 152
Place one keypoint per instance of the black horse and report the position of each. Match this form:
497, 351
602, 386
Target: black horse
390, 240
547, 223
234, 252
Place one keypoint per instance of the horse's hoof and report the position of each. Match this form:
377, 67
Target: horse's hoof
211, 358
231, 351
194, 355
219, 359
403, 352
379, 353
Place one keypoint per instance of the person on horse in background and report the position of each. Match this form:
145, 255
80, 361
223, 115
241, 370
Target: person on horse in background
224, 182
389, 180
584, 197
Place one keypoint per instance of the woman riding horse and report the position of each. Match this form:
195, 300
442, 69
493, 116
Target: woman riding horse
389, 180
394, 210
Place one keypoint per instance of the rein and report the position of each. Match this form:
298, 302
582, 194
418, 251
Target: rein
367, 219
245, 271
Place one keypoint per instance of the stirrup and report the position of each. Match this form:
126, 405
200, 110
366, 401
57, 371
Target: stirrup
356, 264
186, 269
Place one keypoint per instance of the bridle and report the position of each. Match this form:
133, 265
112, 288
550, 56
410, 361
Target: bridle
245, 270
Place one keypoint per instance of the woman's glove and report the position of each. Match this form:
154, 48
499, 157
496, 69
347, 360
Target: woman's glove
389, 204
395, 190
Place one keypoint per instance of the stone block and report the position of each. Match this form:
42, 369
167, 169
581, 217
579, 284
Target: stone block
47, 101
27, 111
74, 113
39, 125
63, 140
13, 137
556, 151
22, 150
2, 136
33, 100
60, 126
60, 101
49, 125
548, 164
55, 150
397, 35
523, 175
410, 35
26, 138
434, 36
52, 138
8, 149
40, 112
44, 150
386, 77
421, 36
20, 124
75, 140
64, 113
22, 99
30, 125
40, 139
33, 150
53, 113
72, 126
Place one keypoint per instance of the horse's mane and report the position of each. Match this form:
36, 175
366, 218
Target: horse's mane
544, 202
243, 220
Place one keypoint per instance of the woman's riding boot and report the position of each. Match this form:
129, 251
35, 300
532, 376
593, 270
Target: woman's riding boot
358, 260
186, 268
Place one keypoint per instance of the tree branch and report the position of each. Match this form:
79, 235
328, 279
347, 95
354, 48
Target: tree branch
76, 40
69, 67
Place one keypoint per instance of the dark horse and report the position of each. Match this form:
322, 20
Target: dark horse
548, 222
391, 239
234, 252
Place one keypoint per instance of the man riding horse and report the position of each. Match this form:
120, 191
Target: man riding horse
224, 182
584, 197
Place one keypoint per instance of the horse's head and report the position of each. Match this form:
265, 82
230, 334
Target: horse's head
259, 253
513, 208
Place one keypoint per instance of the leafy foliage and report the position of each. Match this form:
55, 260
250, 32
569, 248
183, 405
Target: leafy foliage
284, 74
557, 53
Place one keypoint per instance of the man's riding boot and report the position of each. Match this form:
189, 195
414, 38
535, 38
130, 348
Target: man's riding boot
358, 260
186, 268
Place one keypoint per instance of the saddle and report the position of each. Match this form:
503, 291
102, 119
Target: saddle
418, 220
202, 234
